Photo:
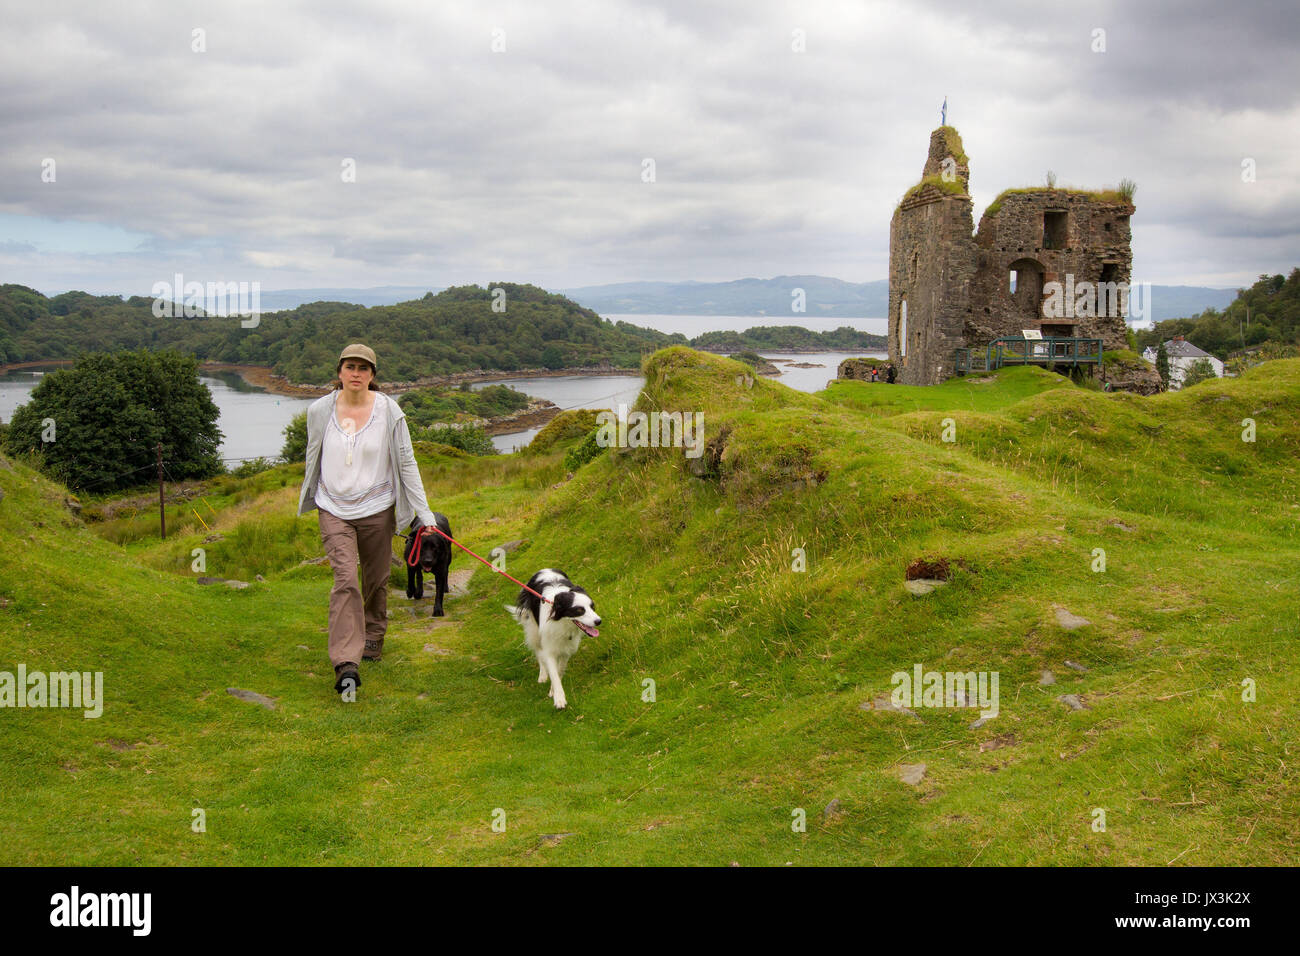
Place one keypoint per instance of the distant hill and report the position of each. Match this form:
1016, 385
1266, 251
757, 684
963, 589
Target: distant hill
756, 297
378, 295
824, 298
789, 338
1185, 301
459, 329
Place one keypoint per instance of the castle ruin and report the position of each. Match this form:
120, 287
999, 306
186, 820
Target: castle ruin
953, 289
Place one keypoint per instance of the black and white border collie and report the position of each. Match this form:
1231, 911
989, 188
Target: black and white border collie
554, 631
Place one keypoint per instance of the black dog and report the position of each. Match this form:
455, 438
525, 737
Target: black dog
434, 558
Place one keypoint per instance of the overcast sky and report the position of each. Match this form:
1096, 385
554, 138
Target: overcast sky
527, 164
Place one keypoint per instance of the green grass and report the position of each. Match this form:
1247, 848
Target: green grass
977, 392
759, 672
952, 139
1124, 358
952, 188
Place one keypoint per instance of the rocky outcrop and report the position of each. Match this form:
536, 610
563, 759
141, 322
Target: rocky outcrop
859, 369
1141, 380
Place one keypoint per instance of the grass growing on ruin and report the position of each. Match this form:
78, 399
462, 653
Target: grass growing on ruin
1121, 195
953, 187
952, 139
759, 672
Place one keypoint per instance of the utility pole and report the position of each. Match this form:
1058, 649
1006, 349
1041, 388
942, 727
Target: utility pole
162, 510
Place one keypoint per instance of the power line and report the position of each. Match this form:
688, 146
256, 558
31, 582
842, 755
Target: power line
115, 477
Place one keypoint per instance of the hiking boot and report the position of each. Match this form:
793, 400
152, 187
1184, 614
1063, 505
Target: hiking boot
345, 672
374, 650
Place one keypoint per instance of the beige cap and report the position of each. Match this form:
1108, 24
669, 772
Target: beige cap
357, 350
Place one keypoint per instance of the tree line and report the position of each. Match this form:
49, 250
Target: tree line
790, 338
465, 328
1267, 312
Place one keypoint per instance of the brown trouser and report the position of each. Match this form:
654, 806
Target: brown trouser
352, 623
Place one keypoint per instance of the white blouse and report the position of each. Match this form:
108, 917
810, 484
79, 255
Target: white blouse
356, 476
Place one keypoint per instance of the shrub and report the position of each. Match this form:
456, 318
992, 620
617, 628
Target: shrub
112, 410
295, 439
251, 467
569, 424
471, 438
750, 358
583, 452
1199, 371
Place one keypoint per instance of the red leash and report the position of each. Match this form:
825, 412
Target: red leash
412, 556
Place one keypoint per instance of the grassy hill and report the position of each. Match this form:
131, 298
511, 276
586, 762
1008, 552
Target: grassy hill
764, 678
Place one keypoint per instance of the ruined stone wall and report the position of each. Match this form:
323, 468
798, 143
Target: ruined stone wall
1051, 235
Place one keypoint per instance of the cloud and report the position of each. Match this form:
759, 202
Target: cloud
527, 163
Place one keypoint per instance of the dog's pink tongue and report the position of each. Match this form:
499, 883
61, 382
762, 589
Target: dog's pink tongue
591, 631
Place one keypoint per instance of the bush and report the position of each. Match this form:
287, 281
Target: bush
251, 467
295, 439
1084, 378
750, 358
109, 413
425, 450
569, 424
583, 452
1268, 352
471, 438
1199, 371
433, 406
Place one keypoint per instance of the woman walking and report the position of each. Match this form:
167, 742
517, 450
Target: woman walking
362, 477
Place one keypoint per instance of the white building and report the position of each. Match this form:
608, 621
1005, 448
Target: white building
1182, 355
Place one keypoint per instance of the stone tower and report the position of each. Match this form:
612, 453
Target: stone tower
931, 265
